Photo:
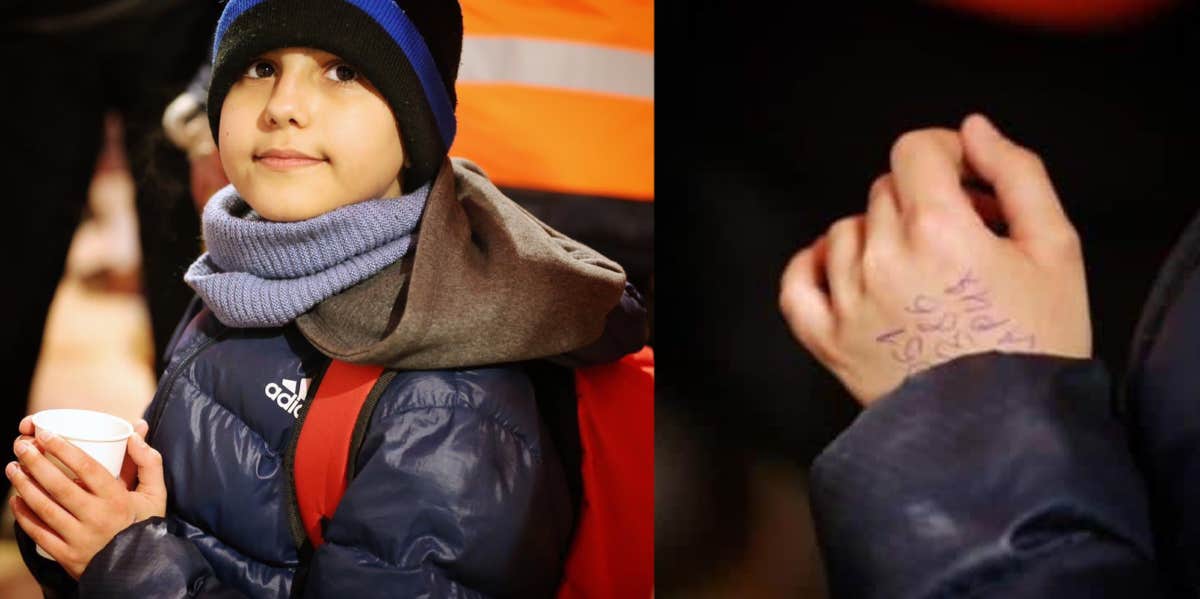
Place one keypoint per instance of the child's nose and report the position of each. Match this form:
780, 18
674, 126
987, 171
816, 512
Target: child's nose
288, 104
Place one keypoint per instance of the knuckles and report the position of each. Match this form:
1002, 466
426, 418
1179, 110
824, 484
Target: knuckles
934, 228
1028, 161
919, 141
847, 225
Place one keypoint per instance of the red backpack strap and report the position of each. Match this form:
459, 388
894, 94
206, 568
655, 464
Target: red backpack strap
324, 448
612, 554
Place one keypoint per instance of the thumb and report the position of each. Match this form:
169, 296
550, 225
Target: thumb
149, 467
1024, 193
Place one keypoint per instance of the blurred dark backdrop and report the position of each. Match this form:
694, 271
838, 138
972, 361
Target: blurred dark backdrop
772, 121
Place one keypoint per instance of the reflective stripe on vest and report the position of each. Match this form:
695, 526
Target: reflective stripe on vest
556, 64
559, 96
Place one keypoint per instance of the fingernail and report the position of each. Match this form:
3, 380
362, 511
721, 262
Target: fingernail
45, 434
10, 469
22, 447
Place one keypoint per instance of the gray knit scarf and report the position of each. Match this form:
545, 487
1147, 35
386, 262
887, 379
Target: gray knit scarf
259, 273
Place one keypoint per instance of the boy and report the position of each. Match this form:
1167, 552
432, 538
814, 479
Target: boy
347, 234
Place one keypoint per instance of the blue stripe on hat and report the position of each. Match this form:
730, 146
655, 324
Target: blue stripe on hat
393, 20
232, 11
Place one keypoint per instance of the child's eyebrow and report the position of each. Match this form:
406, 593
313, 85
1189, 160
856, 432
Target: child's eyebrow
316, 53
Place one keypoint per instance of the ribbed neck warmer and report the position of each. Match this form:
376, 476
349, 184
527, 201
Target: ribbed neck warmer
259, 273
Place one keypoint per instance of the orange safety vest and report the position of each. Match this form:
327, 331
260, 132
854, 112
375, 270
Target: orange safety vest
559, 95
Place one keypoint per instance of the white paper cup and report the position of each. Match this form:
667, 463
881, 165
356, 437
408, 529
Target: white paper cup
101, 436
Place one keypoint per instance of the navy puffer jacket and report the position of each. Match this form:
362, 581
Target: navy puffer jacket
459, 492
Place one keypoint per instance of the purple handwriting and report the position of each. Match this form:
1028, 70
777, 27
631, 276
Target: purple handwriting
976, 302
984, 323
962, 284
952, 346
890, 336
1010, 338
945, 325
922, 305
939, 326
912, 350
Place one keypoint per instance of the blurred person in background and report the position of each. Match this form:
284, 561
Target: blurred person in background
80, 59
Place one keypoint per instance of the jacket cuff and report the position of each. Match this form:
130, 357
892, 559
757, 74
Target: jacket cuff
987, 459
144, 560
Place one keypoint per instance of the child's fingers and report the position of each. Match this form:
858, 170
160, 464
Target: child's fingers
928, 167
26, 426
802, 298
36, 528
883, 229
99, 480
149, 465
49, 477
1025, 195
987, 207
64, 491
49, 511
129, 468
843, 263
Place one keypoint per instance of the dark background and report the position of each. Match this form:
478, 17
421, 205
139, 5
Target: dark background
772, 121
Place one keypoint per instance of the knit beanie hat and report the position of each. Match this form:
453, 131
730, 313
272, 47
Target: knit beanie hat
409, 49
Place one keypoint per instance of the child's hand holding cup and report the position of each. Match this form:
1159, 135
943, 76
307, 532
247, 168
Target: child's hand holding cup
101, 436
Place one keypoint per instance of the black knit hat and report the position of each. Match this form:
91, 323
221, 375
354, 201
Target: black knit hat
409, 49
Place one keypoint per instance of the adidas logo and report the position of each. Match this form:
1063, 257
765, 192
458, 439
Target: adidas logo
287, 396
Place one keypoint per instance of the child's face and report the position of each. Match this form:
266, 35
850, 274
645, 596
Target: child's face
302, 133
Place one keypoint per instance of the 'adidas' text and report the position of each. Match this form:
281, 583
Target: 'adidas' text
288, 396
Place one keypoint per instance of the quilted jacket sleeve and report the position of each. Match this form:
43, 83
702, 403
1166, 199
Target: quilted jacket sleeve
990, 476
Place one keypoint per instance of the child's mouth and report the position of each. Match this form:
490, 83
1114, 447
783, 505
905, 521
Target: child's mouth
286, 159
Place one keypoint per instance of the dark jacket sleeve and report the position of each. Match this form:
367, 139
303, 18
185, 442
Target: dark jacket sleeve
994, 475
450, 501
147, 559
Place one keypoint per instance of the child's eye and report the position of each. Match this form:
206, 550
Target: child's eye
341, 73
260, 69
